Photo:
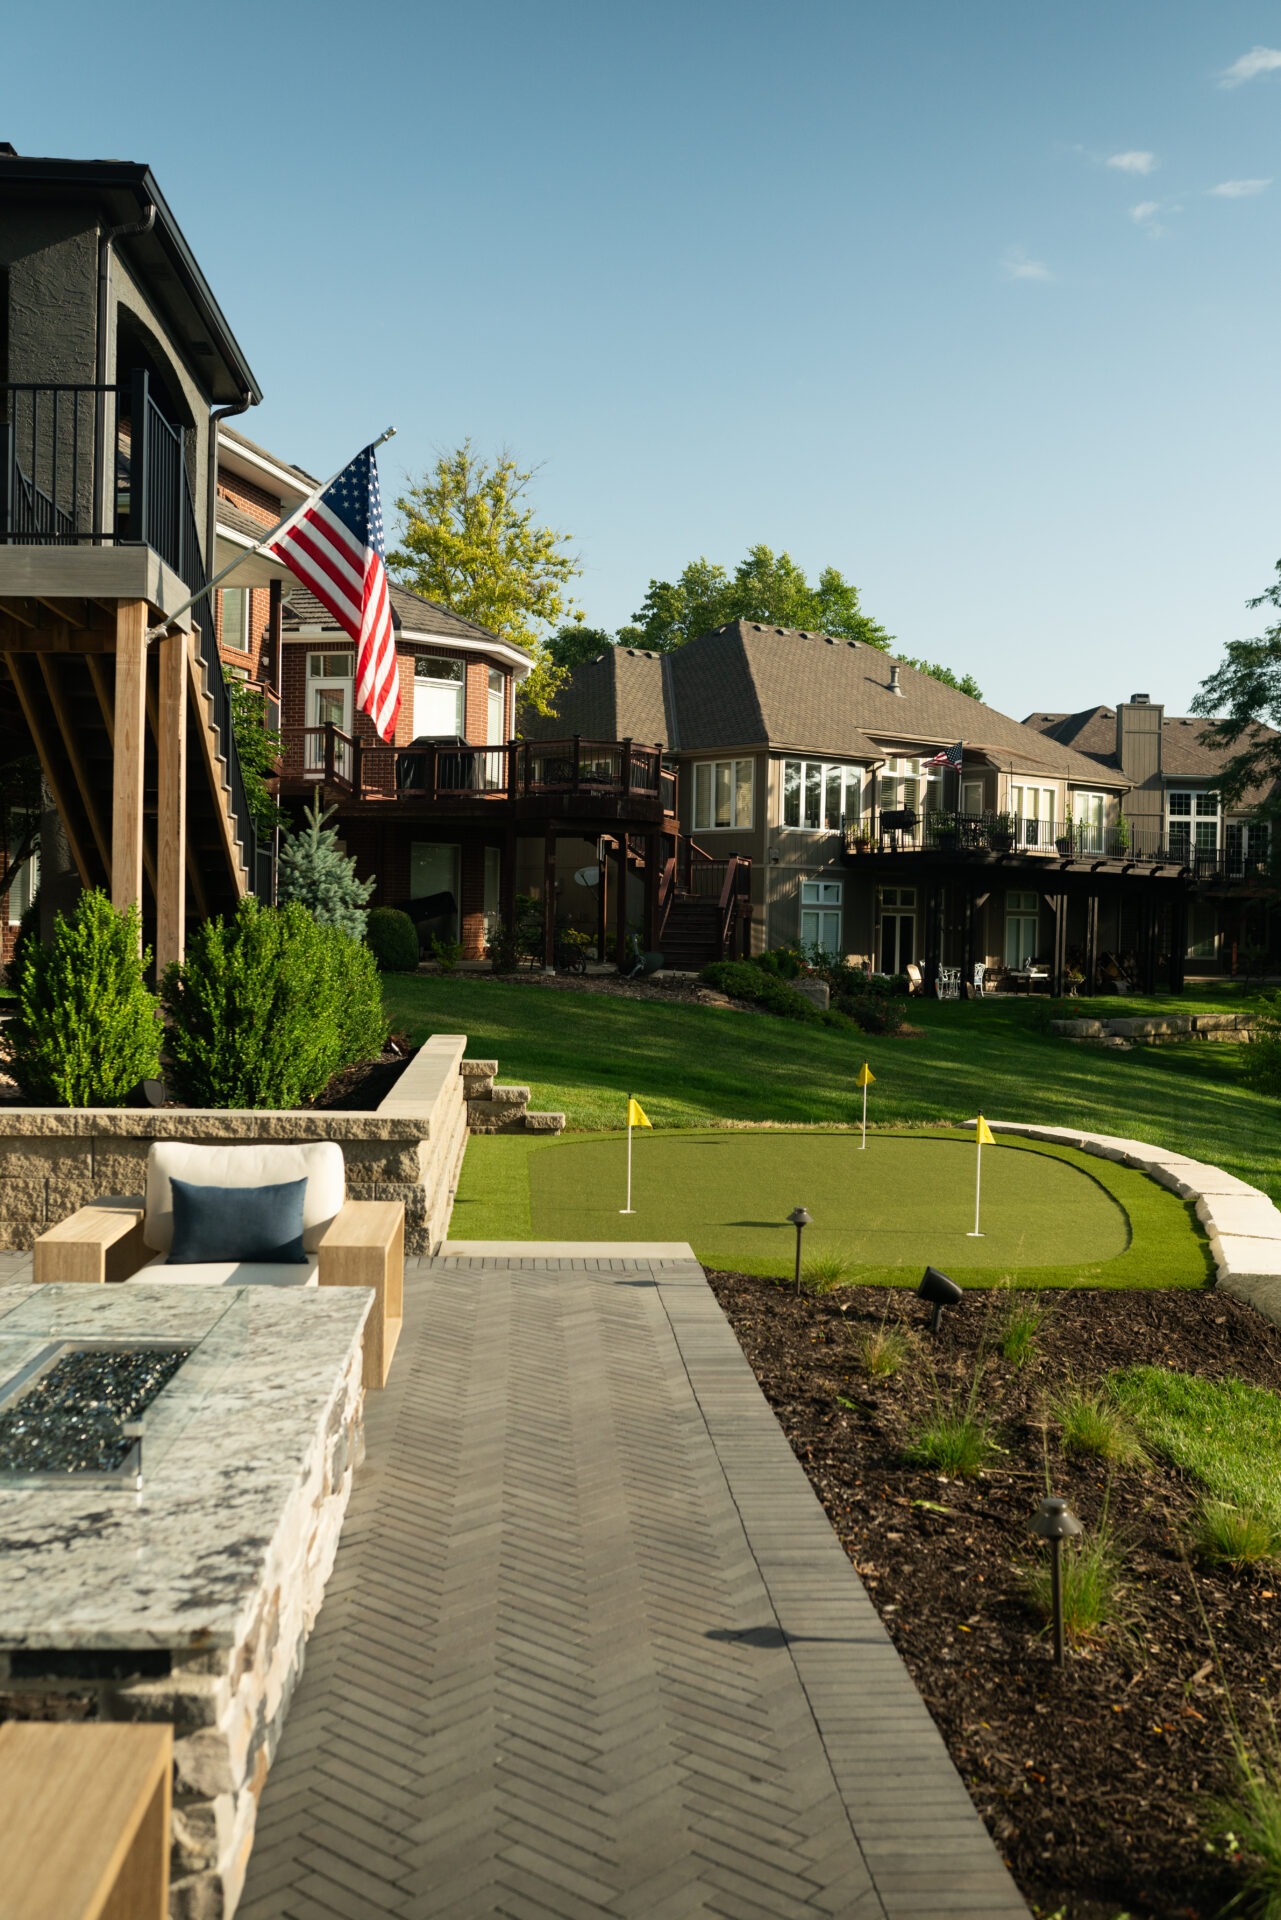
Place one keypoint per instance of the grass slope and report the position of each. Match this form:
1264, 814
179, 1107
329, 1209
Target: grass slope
1224, 1433
696, 1066
1051, 1217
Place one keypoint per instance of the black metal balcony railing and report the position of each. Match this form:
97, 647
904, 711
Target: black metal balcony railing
609, 770
904, 831
102, 466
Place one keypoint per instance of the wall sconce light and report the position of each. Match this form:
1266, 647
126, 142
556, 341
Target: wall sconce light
938, 1292
800, 1219
773, 856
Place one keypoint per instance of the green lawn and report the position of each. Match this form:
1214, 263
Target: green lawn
1050, 1216
697, 1066
1224, 1433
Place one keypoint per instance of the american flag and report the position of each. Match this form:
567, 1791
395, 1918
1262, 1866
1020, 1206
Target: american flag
336, 547
948, 757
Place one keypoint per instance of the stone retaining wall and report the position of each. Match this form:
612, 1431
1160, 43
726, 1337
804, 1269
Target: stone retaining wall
1157, 1028
55, 1159
1241, 1223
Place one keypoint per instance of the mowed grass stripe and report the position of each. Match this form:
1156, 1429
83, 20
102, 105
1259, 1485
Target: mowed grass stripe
1051, 1216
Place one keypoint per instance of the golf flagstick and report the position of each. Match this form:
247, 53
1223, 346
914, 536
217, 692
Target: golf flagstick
865, 1079
635, 1117
982, 1138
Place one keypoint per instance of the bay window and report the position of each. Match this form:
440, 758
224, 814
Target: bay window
821, 795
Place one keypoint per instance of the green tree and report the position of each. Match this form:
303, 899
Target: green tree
963, 682
765, 586
470, 541
571, 646
316, 873
1244, 692
258, 751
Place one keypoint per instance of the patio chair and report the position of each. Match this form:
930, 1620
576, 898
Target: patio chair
344, 1243
915, 978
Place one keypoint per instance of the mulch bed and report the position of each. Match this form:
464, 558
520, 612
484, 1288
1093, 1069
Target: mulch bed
1092, 1782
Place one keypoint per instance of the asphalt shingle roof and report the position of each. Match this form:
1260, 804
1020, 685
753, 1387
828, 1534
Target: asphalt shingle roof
410, 613
1185, 755
745, 685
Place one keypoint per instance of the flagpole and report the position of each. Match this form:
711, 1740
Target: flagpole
628, 1208
978, 1186
274, 533
863, 1147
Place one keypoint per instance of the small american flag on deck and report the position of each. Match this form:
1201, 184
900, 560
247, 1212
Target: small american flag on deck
948, 757
336, 547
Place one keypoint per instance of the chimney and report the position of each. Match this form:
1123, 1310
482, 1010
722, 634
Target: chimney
894, 683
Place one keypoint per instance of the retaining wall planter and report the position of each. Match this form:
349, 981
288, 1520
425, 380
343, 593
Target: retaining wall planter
55, 1159
1156, 1029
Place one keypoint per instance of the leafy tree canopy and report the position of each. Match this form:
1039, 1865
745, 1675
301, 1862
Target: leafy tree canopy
765, 586
1244, 692
571, 646
963, 682
470, 540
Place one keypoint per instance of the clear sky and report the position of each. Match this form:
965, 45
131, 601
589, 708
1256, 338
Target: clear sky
976, 300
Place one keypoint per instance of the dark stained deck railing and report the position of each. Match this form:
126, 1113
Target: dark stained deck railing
613, 770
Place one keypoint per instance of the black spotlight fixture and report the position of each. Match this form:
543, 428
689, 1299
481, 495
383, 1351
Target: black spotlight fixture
800, 1219
938, 1292
1056, 1523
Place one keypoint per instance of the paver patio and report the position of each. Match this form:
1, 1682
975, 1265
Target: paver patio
591, 1646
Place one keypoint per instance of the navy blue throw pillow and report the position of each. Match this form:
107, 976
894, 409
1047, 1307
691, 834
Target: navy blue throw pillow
237, 1223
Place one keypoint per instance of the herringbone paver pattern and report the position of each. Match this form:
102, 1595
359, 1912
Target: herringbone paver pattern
591, 1648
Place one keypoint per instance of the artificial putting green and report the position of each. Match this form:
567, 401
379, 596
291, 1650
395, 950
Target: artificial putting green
1051, 1217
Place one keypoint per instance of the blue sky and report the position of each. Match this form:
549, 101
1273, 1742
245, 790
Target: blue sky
976, 302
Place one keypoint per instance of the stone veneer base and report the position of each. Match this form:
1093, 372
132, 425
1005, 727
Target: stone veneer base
55, 1159
191, 1601
1241, 1223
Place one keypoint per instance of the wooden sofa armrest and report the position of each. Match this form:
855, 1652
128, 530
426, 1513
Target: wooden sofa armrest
364, 1246
96, 1244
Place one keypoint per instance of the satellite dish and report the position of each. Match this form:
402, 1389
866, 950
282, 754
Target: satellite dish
588, 877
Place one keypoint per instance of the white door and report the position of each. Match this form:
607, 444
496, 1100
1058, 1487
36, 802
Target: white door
497, 708
328, 700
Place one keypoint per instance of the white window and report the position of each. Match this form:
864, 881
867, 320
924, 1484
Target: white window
722, 794
821, 795
1089, 810
1245, 844
1192, 821
236, 618
493, 889
821, 919
26, 880
438, 698
496, 696
906, 783
1022, 922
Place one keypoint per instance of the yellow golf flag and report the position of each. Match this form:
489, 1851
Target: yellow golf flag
865, 1076
983, 1133
636, 1113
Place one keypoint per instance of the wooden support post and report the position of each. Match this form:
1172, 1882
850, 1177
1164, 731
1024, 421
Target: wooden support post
549, 899
933, 937
620, 905
602, 903
171, 799
130, 743
1058, 967
1091, 939
507, 883
653, 874
1179, 939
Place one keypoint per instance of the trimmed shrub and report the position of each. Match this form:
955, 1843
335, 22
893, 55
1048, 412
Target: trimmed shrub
504, 948
87, 1029
28, 935
1263, 1055
268, 1006
392, 938
744, 980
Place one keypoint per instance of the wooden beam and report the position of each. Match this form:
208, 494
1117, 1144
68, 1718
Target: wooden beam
62, 611
19, 611
171, 802
70, 740
213, 767
129, 748
52, 773
549, 899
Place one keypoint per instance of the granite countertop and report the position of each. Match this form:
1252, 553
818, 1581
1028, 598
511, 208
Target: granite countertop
226, 1443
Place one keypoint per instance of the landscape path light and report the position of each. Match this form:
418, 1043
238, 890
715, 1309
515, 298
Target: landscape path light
1056, 1523
800, 1219
938, 1292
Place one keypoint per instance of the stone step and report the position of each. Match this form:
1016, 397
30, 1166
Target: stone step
544, 1123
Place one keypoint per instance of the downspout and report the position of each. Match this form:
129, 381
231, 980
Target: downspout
211, 478
107, 237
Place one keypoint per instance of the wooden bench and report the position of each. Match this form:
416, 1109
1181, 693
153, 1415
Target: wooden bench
84, 1821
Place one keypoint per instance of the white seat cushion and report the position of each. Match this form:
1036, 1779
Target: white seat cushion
320, 1162
231, 1273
